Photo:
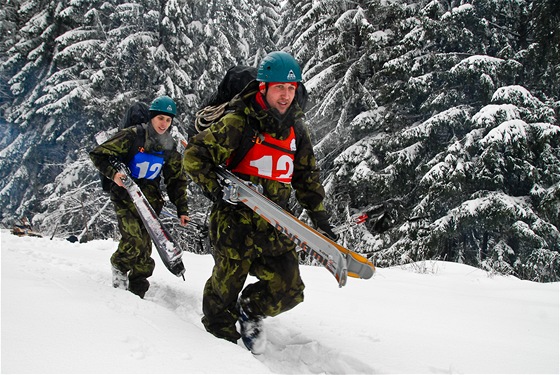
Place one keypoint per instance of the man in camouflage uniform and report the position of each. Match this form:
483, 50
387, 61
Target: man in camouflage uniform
244, 243
156, 151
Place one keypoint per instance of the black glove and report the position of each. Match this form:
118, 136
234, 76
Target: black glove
326, 229
321, 222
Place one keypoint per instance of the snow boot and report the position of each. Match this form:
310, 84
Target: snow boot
252, 332
138, 286
120, 279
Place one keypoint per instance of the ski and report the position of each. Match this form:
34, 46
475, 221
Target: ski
168, 249
339, 261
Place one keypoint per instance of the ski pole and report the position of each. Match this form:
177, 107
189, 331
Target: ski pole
197, 226
355, 220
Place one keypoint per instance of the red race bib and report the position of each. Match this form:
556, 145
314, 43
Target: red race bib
270, 158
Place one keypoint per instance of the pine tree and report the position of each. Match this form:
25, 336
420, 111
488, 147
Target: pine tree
266, 16
454, 156
544, 23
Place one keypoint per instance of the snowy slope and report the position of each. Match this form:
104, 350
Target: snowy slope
61, 315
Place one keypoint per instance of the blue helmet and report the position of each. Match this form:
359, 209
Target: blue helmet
164, 104
279, 66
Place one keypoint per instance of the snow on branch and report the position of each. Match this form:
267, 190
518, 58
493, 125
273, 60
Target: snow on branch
494, 206
137, 40
37, 23
360, 151
517, 95
80, 50
406, 156
545, 131
494, 114
345, 19
509, 132
313, 76
437, 173
479, 66
74, 36
76, 89
308, 34
452, 117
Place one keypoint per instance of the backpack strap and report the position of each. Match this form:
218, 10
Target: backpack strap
107, 183
249, 137
137, 144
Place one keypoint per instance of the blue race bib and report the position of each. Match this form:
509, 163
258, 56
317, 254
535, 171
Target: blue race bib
144, 165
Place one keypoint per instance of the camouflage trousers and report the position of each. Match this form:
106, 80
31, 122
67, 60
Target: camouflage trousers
134, 252
244, 244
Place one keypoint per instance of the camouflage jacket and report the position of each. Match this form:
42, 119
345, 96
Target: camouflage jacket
216, 144
174, 176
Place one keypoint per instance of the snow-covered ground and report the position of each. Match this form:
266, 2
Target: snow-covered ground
60, 314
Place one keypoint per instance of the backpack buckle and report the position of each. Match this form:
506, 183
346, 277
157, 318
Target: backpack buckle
258, 138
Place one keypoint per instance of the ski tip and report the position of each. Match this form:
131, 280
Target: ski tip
364, 273
360, 267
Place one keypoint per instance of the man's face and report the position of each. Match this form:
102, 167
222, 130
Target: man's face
281, 95
161, 123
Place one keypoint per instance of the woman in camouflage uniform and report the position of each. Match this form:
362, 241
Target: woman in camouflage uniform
244, 243
156, 154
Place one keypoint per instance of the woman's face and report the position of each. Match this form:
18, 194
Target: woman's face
161, 123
